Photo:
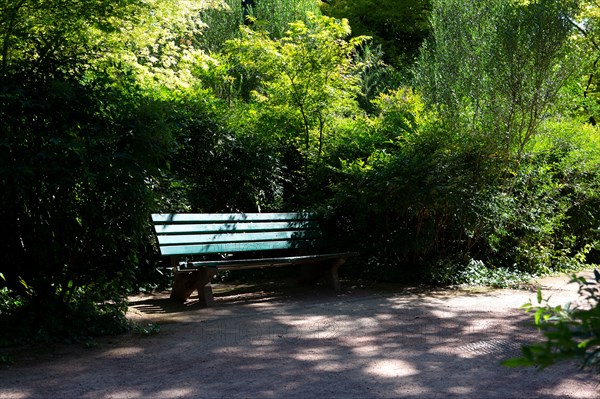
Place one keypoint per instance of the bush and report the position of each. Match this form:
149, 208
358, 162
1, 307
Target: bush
216, 167
476, 273
570, 332
223, 23
426, 199
85, 316
478, 185
74, 205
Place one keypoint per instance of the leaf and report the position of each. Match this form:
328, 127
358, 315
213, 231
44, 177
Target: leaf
23, 283
518, 362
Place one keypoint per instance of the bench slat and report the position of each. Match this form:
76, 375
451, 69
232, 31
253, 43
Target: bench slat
266, 262
252, 237
238, 237
233, 227
229, 217
191, 249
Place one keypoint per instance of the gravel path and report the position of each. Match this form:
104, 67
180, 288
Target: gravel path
274, 342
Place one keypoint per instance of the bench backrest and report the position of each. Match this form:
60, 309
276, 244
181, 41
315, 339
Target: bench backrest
202, 234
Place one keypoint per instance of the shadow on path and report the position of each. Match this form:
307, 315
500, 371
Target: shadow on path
358, 344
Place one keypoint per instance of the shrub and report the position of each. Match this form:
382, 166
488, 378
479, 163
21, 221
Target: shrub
426, 199
75, 198
224, 22
476, 273
570, 332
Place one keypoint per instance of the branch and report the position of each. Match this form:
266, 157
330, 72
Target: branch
584, 33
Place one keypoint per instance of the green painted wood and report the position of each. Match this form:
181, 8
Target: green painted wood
201, 234
265, 262
229, 217
238, 237
201, 249
233, 227
241, 237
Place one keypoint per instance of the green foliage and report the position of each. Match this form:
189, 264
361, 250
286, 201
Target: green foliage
68, 224
271, 16
6, 359
570, 332
286, 98
77, 321
476, 273
9, 301
54, 37
215, 167
398, 27
149, 39
494, 68
475, 185
86, 123
547, 221
585, 97
304, 75
422, 201
375, 77
146, 330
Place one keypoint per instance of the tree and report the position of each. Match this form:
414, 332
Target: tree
494, 68
306, 76
586, 24
271, 16
286, 95
399, 27
85, 123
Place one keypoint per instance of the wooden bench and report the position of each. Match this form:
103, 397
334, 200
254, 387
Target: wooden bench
202, 244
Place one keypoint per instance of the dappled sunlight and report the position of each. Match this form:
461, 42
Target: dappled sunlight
384, 317
15, 393
366, 350
315, 355
564, 388
125, 352
364, 322
391, 368
332, 367
175, 393
366, 347
443, 314
158, 308
134, 394
460, 390
125, 394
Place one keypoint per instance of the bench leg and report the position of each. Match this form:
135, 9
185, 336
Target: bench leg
311, 272
186, 282
332, 277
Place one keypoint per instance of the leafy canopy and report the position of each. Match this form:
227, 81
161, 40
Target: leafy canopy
494, 68
306, 75
398, 26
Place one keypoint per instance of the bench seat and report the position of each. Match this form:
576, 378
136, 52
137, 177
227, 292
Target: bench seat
200, 245
237, 264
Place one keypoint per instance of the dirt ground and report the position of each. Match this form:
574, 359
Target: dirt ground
277, 340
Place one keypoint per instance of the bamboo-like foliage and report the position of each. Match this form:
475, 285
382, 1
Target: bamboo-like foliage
495, 67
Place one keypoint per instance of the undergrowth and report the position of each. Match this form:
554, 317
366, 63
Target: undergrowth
476, 273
